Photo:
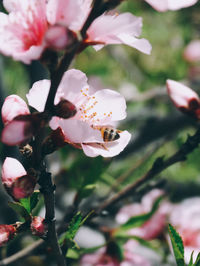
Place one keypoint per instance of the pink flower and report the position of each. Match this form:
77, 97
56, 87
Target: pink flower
164, 5
185, 217
106, 29
192, 51
155, 225
7, 232
38, 226
184, 98
25, 31
18, 183
97, 111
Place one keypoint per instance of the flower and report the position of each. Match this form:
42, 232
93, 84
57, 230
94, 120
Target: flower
38, 226
96, 111
184, 98
17, 182
153, 227
164, 5
192, 51
7, 232
32, 26
180, 217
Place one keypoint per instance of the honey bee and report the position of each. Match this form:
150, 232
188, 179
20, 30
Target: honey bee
108, 133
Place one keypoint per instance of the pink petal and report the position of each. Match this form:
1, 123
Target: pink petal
12, 107
123, 28
192, 51
77, 131
57, 37
23, 30
70, 13
164, 5
107, 105
180, 94
37, 95
22, 132
112, 148
11, 170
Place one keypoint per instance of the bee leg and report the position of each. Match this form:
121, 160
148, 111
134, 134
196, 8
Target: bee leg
103, 146
119, 131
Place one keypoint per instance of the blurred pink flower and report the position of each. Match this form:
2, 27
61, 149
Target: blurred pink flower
164, 5
192, 51
101, 258
184, 98
17, 182
155, 225
185, 217
38, 226
7, 233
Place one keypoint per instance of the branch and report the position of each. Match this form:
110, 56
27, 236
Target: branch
159, 165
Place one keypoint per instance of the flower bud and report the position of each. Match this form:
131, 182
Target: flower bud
65, 109
24, 127
17, 182
184, 98
12, 107
7, 232
192, 51
38, 226
53, 142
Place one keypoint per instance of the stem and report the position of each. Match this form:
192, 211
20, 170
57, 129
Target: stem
159, 165
47, 188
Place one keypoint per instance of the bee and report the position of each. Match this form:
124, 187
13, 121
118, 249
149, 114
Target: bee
108, 133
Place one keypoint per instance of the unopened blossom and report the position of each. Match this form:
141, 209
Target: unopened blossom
185, 217
38, 226
17, 182
7, 232
184, 98
192, 51
96, 111
153, 227
164, 5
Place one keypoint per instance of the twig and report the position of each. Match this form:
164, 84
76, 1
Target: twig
22, 253
159, 165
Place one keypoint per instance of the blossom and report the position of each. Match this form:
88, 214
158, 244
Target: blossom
192, 51
32, 26
95, 109
164, 5
184, 98
103, 258
180, 217
18, 183
7, 232
155, 225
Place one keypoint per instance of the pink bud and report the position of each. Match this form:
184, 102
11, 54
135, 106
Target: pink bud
15, 179
7, 232
184, 98
12, 107
192, 51
38, 226
65, 109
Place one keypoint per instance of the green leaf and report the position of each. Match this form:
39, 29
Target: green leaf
21, 210
139, 220
191, 259
197, 262
86, 191
30, 202
177, 245
72, 254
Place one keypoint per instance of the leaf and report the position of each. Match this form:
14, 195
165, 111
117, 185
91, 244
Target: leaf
197, 262
86, 191
72, 254
177, 245
21, 210
191, 259
139, 220
30, 202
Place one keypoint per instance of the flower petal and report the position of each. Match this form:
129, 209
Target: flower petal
77, 131
164, 5
37, 95
112, 148
12, 107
